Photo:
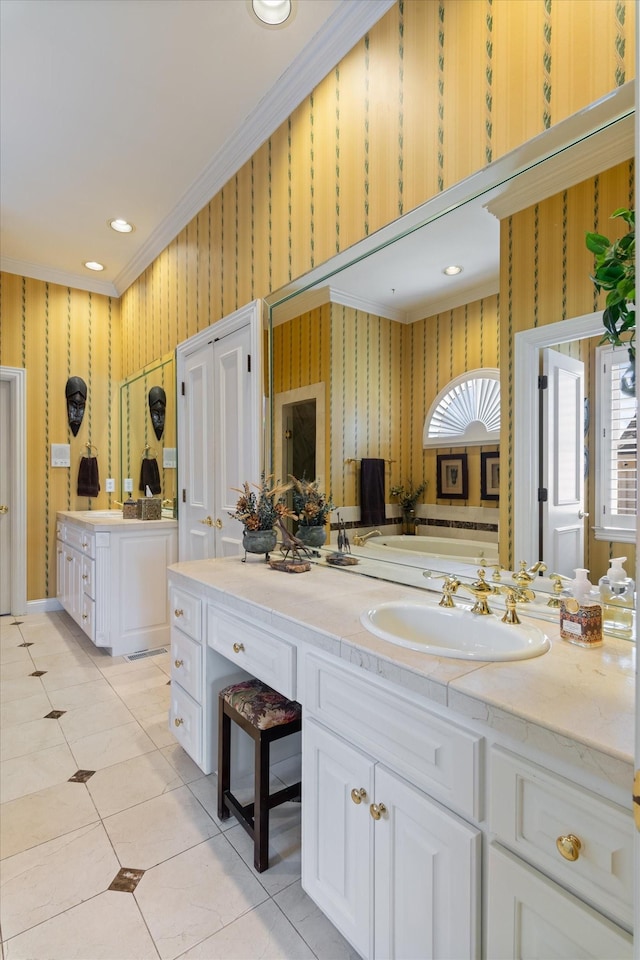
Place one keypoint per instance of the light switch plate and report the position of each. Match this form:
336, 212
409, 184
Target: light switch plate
128, 485
60, 455
110, 485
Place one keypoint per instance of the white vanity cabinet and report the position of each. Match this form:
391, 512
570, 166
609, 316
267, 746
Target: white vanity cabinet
112, 578
396, 871
188, 711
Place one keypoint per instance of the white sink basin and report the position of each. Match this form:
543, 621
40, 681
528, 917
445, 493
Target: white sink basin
455, 633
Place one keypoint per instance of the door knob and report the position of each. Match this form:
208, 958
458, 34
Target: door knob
582, 514
208, 522
218, 523
4, 508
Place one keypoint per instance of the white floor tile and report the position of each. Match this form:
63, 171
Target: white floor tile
96, 717
263, 933
54, 876
36, 771
22, 711
321, 935
41, 816
284, 847
107, 747
158, 829
107, 927
123, 785
20, 688
26, 738
195, 894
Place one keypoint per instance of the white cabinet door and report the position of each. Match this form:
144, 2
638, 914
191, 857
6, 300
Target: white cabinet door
532, 918
337, 833
426, 876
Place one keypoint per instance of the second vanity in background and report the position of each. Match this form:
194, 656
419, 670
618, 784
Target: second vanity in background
112, 577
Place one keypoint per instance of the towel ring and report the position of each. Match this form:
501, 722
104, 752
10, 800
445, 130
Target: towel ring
149, 451
90, 447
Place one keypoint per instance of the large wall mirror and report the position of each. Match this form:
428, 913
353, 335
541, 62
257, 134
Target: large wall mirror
148, 454
380, 330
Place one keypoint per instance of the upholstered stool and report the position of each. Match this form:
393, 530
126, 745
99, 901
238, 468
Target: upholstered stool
266, 716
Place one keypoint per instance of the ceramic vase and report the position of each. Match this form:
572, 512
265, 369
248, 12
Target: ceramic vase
408, 523
311, 536
259, 541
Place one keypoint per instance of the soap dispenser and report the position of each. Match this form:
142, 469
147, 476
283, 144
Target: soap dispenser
617, 598
581, 614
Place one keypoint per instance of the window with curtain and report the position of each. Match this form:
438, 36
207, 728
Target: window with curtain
616, 446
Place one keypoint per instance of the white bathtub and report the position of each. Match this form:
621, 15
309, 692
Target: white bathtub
419, 551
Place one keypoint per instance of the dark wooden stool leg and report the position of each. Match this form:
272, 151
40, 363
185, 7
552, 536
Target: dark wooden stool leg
261, 801
224, 759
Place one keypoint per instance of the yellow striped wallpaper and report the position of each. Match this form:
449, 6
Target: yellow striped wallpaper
544, 277
437, 89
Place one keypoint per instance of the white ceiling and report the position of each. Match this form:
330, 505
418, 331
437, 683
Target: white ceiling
141, 109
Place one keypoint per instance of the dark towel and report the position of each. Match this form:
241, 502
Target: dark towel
149, 475
372, 492
88, 483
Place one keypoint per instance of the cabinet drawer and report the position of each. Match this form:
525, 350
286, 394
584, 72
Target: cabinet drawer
185, 722
395, 727
87, 575
88, 617
252, 647
80, 539
186, 664
185, 613
530, 916
531, 808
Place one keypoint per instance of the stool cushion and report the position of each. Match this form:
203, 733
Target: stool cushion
260, 705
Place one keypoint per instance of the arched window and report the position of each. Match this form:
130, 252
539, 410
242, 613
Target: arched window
466, 412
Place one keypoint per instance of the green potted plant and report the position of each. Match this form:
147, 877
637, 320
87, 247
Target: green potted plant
258, 510
615, 272
312, 508
407, 496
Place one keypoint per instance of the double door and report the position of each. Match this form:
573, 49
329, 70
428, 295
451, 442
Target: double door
220, 393
396, 872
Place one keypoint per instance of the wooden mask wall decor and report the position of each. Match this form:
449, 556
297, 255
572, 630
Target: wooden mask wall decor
76, 393
157, 408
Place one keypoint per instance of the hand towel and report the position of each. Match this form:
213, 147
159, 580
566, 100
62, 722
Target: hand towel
88, 482
372, 511
149, 475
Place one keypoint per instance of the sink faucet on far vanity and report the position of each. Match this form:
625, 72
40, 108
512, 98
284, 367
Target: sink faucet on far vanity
360, 540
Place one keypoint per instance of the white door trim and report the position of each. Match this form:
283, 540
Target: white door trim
528, 343
317, 392
17, 379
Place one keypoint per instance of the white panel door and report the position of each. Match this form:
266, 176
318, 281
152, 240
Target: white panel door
426, 877
337, 832
196, 456
5, 485
563, 516
233, 445
532, 918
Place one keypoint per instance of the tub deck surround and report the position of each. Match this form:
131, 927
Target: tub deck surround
574, 703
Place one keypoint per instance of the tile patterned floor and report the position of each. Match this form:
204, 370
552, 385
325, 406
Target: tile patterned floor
110, 847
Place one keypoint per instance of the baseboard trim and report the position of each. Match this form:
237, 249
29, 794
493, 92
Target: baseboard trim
46, 605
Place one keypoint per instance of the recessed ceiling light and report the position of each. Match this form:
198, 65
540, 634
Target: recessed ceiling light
452, 271
121, 226
272, 13
94, 265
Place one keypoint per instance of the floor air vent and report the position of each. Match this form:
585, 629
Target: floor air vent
130, 657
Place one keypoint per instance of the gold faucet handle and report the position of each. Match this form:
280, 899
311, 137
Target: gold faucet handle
449, 587
514, 596
558, 581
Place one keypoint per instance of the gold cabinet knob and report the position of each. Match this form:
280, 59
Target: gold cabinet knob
84, 576
178, 613
85, 616
85, 545
178, 722
218, 524
358, 795
569, 847
208, 522
377, 810
4, 508
69, 559
178, 663
238, 647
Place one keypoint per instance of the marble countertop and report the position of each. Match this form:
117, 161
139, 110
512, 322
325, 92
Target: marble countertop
570, 701
108, 519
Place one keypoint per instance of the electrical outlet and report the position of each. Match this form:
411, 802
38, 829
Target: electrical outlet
128, 485
110, 485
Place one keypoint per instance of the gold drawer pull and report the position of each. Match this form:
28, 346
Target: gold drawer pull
358, 795
85, 616
377, 810
178, 613
178, 663
178, 721
238, 647
569, 847
84, 576
69, 559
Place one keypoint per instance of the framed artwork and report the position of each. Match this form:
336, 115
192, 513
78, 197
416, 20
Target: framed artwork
489, 476
453, 479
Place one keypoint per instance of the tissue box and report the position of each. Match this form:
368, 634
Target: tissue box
149, 508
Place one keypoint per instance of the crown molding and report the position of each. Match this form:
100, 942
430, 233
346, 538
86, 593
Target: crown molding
431, 308
347, 25
36, 271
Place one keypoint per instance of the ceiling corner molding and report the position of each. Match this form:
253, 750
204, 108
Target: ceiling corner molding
347, 25
36, 271
299, 304
344, 299
485, 288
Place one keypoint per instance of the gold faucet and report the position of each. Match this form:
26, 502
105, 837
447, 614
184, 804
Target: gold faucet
524, 577
515, 595
449, 588
481, 590
558, 580
360, 540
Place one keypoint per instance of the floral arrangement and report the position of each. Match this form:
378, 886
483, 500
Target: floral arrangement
309, 503
408, 495
260, 508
